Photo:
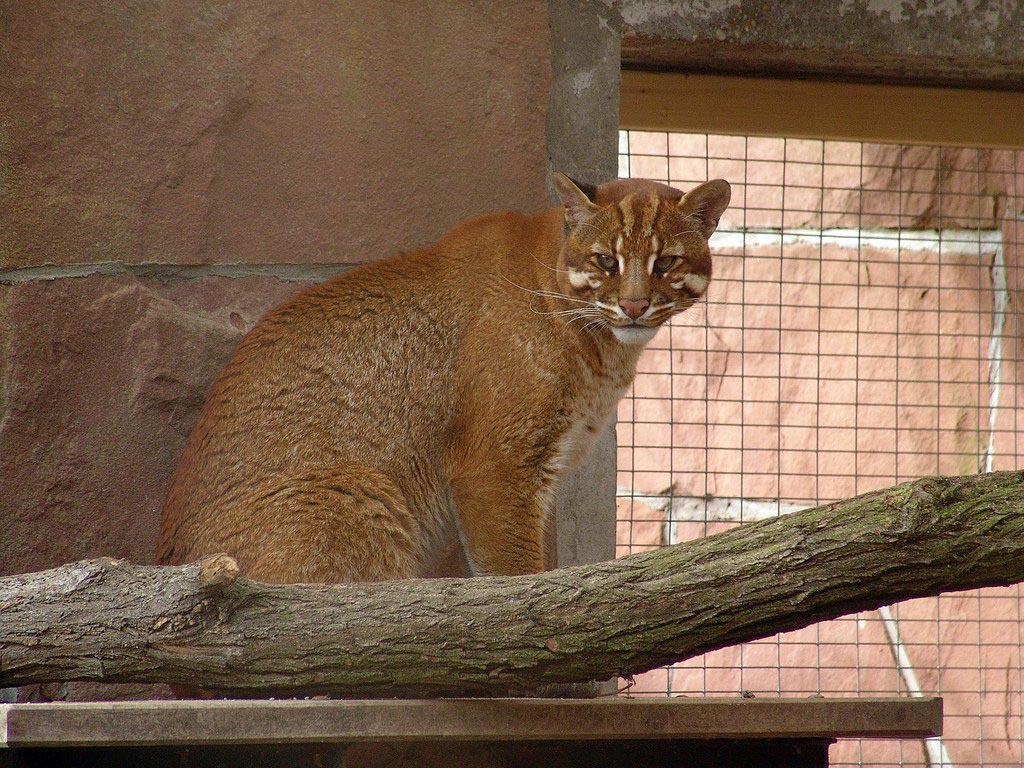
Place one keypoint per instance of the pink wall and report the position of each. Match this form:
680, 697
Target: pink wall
828, 366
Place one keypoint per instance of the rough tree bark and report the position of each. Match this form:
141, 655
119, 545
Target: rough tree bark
202, 625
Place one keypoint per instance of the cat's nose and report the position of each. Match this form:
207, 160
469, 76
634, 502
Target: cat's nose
634, 307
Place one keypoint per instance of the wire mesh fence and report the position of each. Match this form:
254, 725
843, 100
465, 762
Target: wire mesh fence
860, 331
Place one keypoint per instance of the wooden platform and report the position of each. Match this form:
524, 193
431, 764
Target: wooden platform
153, 723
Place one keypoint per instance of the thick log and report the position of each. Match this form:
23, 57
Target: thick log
201, 624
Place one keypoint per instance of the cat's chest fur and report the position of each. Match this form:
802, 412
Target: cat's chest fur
591, 406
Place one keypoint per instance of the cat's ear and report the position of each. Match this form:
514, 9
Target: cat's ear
577, 197
707, 202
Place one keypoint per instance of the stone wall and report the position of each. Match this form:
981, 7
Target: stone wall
170, 171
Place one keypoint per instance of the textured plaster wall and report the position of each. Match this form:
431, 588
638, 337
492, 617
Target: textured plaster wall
286, 139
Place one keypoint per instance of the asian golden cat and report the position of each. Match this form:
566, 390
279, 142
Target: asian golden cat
430, 403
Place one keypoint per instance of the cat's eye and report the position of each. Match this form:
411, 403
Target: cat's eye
663, 264
606, 262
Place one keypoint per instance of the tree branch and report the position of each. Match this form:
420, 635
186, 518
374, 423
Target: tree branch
201, 625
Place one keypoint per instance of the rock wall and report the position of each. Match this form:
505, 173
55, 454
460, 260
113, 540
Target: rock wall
168, 172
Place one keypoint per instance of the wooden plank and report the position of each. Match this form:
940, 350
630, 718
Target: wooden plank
147, 723
752, 106
841, 62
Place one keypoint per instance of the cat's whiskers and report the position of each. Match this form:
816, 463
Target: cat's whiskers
572, 314
691, 231
661, 309
591, 319
548, 266
585, 319
548, 294
556, 295
590, 226
592, 324
692, 319
580, 311
588, 314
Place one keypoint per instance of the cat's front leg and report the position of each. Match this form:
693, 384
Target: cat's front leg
503, 511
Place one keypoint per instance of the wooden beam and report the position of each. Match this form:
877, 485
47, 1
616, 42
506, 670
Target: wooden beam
751, 106
150, 723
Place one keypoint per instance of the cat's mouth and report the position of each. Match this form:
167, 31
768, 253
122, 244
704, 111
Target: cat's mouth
637, 330
634, 333
640, 322
633, 330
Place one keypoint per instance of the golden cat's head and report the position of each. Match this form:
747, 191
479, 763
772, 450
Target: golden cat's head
637, 251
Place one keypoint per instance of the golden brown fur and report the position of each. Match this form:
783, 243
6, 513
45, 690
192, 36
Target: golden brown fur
425, 407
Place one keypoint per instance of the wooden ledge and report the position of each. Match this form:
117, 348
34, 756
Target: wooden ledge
759, 106
152, 723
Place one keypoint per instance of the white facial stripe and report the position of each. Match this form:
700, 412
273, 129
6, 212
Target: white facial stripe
627, 214
695, 283
578, 279
650, 262
618, 254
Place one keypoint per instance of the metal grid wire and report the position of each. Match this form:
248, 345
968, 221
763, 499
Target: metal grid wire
859, 332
